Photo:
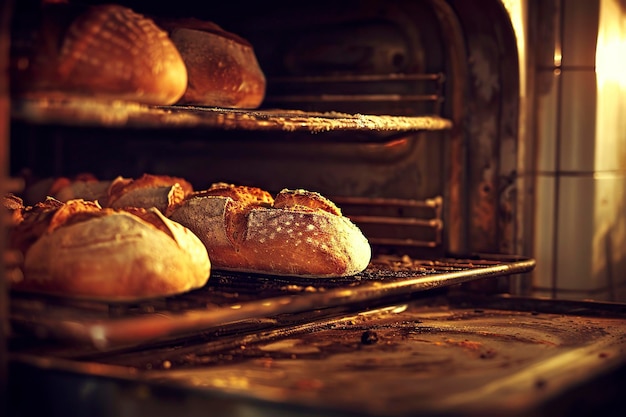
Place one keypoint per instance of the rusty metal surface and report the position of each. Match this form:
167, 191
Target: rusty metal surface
492, 126
432, 356
399, 362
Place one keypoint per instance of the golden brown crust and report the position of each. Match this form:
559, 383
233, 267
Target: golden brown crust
105, 52
222, 67
304, 200
160, 191
78, 249
242, 193
306, 239
15, 206
240, 200
124, 185
35, 222
75, 211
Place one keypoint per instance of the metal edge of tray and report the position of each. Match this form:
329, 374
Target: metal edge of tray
137, 330
119, 114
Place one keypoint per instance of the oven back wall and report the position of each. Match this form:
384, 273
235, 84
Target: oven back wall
406, 167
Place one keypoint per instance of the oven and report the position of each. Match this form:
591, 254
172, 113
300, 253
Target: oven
468, 140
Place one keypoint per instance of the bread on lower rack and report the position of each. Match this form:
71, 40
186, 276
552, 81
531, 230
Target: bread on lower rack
160, 191
83, 186
300, 233
79, 249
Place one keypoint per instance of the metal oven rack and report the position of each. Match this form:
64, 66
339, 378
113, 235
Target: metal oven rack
395, 340
235, 297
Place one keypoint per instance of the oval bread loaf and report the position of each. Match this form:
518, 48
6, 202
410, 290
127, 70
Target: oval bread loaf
159, 191
79, 249
82, 187
244, 230
222, 67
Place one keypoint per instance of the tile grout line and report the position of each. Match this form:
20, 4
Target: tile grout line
557, 162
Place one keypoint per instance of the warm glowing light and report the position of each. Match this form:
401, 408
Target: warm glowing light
610, 150
517, 13
611, 46
558, 57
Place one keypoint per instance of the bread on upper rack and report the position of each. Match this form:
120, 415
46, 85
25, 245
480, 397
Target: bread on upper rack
222, 66
102, 52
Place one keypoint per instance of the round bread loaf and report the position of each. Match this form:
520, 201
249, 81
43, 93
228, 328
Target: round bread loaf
83, 250
222, 67
104, 52
244, 230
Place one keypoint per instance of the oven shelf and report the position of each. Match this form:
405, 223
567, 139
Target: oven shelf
93, 113
238, 297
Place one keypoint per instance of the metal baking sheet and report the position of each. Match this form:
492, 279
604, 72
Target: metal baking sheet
447, 355
233, 297
94, 113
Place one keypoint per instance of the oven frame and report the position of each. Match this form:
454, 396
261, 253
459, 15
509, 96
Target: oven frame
488, 173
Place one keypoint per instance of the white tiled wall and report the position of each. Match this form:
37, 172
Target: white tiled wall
580, 211
577, 120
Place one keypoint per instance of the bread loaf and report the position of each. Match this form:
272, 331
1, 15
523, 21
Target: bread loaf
300, 233
105, 52
222, 67
81, 187
162, 192
14, 206
82, 250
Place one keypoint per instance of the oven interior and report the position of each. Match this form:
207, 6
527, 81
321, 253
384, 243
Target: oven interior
403, 113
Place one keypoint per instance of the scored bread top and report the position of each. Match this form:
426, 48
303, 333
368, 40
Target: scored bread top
305, 200
305, 243
51, 214
121, 185
297, 233
15, 206
240, 200
245, 194
100, 52
160, 191
81, 249
35, 222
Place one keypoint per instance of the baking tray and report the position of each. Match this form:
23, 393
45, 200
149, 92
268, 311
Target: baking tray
239, 297
447, 354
